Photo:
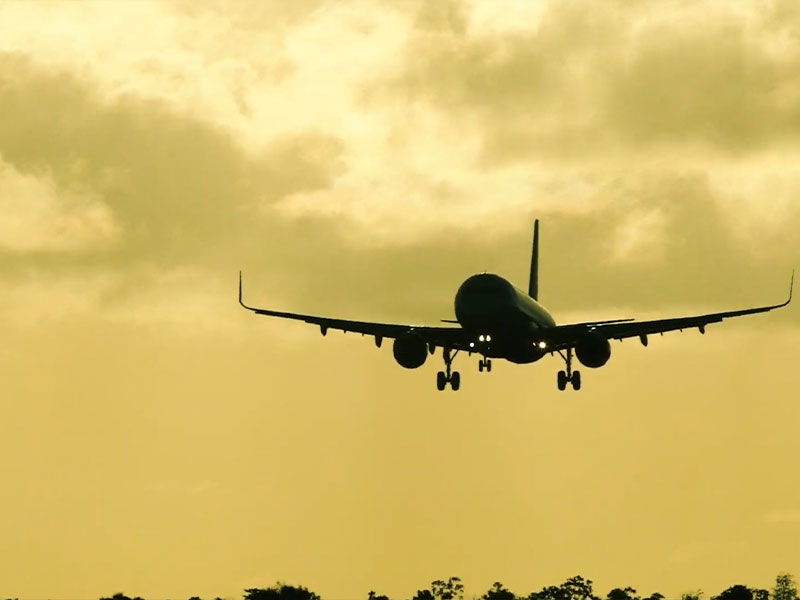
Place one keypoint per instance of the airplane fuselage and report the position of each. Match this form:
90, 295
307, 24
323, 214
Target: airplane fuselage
503, 319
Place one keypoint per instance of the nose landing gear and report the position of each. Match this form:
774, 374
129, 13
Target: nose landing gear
485, 363
448, 376
568, 376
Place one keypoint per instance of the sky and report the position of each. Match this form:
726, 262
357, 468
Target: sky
359, 159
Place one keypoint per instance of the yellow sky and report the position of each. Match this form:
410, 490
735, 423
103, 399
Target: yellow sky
360, 159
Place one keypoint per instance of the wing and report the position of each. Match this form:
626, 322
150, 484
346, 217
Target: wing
568, 335
447, 337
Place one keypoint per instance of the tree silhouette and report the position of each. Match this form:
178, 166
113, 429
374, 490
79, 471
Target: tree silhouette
452, 589
627, 593
785, 588
498, 592
574, 588
280, 591
742, 592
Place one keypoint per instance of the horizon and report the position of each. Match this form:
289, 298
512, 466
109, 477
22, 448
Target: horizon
629, 593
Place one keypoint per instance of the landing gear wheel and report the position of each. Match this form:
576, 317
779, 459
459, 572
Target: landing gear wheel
448, 376
488, 365
455, 381
480, 366
576, 380
441, 380
562, 380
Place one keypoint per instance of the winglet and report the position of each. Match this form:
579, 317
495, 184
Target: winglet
791, 289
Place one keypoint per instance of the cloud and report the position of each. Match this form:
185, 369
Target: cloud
395, 124
711, 79
255, 72
578, 82
374, 162
176, 185
37, 216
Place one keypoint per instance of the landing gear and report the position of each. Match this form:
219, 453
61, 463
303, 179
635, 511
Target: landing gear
448, 376
485, 363
568, 376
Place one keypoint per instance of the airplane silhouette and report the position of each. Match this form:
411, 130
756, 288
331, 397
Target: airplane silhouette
497, 320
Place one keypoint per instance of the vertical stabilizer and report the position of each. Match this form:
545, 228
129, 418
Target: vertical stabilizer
533, 282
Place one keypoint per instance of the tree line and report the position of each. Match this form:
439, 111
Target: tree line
574, 588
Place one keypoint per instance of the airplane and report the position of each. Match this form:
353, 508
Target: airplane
494, 319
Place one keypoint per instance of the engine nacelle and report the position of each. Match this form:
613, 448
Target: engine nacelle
593, 351
410, 351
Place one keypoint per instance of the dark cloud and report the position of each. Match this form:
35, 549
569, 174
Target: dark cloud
714, 84
586, 81
180, 189
533, 91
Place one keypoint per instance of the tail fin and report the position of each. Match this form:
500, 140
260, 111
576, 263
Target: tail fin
533, 282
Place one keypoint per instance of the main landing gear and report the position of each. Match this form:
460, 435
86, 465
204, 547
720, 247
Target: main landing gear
448, 376
568, 376
485, 363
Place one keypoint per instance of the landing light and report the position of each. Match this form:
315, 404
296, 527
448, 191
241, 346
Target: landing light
488, 338
472, 344
481, 338
542, 345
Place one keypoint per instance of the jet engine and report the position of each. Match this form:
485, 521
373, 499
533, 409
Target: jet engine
410, 350
593, 350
